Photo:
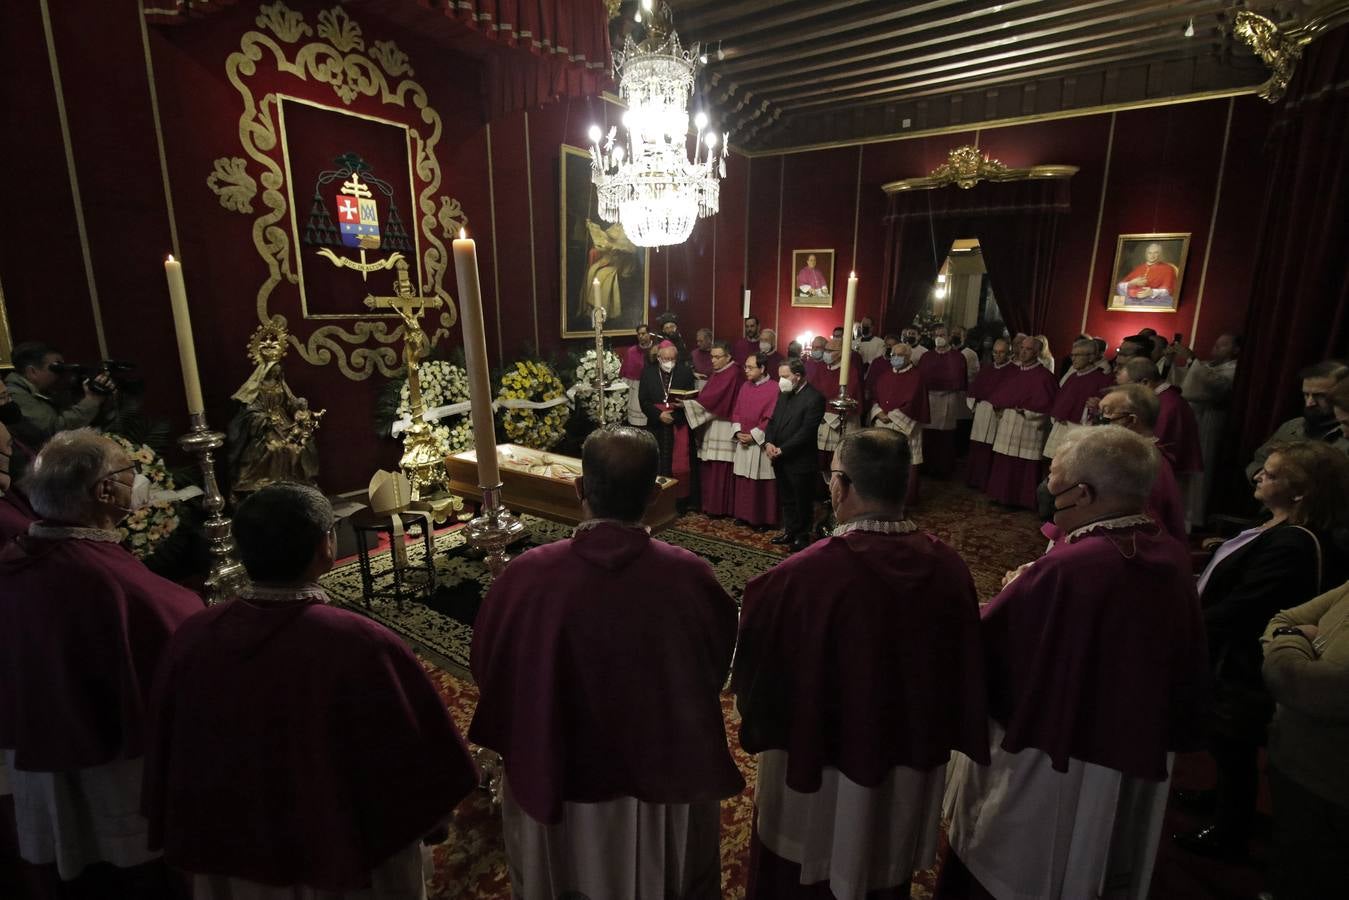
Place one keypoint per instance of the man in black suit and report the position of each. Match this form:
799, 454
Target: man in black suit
790, 444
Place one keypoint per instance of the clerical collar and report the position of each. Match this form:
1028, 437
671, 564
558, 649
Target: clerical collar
762, 380
48, 532
1002, 365
264, 595
1117, 523
595, 523
876, 526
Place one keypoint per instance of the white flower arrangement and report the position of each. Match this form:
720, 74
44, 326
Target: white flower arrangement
615, 401
442, 384
147, 528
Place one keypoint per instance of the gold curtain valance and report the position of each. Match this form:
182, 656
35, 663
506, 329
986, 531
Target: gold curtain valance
967, 166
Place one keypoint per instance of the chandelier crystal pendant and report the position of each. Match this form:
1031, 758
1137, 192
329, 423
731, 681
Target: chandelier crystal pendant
647, 181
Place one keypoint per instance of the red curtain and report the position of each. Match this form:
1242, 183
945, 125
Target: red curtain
1299, 309
1017, 225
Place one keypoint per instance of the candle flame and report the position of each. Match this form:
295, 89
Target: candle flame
852, 274
170, 257
463, 233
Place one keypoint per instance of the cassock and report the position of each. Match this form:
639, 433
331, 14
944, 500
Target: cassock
635, 361
672, 440
853, 743
742, 348
756, 489
1208, 388
1177, 430
1096, 667
899, 399
771, 362
600, 661
1165, 503
830, 433
946, 373
15, 516
323, 775
1024, 400
712, 413
1070, 403
984, 429
83, 629
701, 360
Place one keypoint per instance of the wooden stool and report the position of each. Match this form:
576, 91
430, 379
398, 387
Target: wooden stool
364, 524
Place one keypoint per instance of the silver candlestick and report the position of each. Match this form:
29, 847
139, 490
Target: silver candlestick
494, 529
227, 574
843, 405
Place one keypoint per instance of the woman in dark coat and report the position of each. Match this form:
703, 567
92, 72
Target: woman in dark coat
1291, 558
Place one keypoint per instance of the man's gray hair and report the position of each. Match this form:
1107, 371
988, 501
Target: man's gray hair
1086, 343
1117, 463
72, 462
1139, 400
1037, 342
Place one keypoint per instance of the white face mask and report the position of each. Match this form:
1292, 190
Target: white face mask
765, 346
140, 494
899, 361
816, 354
786, 385
667, 365
830, 357
939, 342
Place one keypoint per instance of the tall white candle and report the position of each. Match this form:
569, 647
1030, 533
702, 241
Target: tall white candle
596, 292
746, 313
182, 327
849, 307
475, 360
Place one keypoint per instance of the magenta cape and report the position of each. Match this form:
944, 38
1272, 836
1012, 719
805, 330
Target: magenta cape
1031, 389
944, 371
754, 405
296, 745
1097, 653
701, 360
771, 363
719, 393
862, 653
1165, 503
634, 361
825, 381
600, 661
988, 379
15, 517
742, 347
1071, 400
905, 391
1178, 431
83, 626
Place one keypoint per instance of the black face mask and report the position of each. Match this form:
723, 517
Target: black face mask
10, 414
911, 340
866, 332
1314, 419
955, 342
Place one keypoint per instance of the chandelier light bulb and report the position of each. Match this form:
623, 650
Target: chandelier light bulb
595, 134
721, 54
700, 120
618, 154
703, 59
1189, 27
711, 140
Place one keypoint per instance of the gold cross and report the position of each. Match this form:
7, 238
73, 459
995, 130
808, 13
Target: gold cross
405, 302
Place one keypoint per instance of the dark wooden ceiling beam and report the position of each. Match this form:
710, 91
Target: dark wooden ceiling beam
735, 15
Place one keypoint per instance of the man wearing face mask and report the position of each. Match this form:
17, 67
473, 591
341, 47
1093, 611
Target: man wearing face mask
846, 344
946, 374
826, 382
1086, 715
854, 698
40, 395
814, 360
790, 444
665, 416
984, 426
767, 352
910, 336
83, 626
748, 343
869, 345
1024, 400
899, 401
1317, 422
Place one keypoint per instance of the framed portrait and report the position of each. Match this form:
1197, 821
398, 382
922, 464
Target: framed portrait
1148, 271
813, 278
593, 249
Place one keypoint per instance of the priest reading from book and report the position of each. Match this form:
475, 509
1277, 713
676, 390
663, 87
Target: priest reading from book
83, 629
947, 375
984, 428
1079, 393
15, 513
659, 394
854, 697
1095, 660
1023, 401
899, 396
298, 749
756, 489
712, 414
600, 661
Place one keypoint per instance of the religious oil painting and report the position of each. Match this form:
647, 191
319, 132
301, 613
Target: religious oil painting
595, 250
1148, 271
352, 211
813, 278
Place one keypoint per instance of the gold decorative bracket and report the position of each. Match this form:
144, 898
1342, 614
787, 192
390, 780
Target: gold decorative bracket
1280, 47
967, 166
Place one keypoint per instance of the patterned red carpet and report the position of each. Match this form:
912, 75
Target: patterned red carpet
992, 539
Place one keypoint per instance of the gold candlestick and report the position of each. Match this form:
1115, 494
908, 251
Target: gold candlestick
227, 576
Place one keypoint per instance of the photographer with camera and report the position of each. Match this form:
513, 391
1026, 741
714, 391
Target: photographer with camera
53, 395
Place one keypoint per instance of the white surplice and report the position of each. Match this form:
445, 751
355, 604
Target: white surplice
1028, 832
895, 420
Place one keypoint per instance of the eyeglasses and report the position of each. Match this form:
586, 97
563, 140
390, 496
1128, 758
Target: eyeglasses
134, 467
841, 474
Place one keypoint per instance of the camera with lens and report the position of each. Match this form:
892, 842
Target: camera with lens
118, 372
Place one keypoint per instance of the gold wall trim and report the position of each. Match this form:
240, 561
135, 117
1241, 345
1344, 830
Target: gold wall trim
1100, 214
533, 274
496, 271
159, 133
857, 208
6, 338
1009, 122
76, 199
1212, 224
777, 259
965, 167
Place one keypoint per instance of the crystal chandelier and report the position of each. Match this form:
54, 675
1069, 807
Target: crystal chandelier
648, 182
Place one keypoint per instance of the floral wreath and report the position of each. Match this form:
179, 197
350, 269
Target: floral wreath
615, 401
532, 381
442, 384
146, 529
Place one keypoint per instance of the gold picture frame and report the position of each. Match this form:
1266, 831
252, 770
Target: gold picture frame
6, 339
1143, 281
812, 283
591, 248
